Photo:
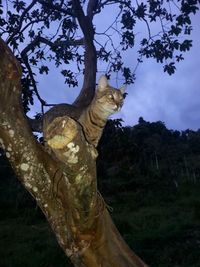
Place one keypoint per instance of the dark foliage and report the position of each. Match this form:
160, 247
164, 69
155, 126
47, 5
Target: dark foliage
148, 152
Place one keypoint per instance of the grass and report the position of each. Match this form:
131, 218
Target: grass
31, 245
162, 227
25, 237
163, 233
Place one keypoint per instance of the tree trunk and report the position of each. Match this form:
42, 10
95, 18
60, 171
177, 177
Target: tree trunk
61, 177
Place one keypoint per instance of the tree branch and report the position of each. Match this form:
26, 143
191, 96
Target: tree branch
91, 8
39, 39
87, 92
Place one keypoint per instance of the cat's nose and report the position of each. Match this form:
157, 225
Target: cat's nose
116, 107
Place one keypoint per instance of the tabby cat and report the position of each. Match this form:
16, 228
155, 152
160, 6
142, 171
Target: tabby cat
107, 100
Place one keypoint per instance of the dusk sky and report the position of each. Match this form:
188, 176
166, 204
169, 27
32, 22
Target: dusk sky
155, 96
173, 99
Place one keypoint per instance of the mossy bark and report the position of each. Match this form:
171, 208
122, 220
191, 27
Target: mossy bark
61, 177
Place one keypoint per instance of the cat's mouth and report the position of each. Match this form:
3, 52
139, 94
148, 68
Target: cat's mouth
113, 109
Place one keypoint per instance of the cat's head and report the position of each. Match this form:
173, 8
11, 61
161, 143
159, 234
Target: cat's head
109, 98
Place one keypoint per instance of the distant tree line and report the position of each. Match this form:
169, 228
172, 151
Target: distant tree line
148, 152
144, 156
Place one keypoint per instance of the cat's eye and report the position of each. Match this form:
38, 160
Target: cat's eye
111, 96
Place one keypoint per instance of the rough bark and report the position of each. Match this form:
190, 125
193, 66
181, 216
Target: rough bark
62, 180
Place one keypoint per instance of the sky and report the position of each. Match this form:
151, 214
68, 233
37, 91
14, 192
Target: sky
156, 96
173, 99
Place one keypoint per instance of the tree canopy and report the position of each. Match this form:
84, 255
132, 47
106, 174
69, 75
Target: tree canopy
78, 35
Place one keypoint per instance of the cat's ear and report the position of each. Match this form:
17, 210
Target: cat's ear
123, 89
103, 83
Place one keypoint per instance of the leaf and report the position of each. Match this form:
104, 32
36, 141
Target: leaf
127, 20
70, 79
129, 77
128, 39
19, 5
170, 68
31, 33
140, 11
186, 45
144, 42
175, 30
44, 69
33, 61
179, 58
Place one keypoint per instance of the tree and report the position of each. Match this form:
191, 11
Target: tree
62, 178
